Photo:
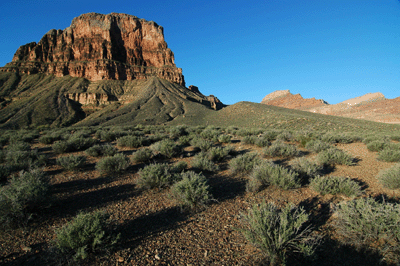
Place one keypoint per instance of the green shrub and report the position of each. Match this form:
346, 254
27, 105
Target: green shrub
267, 173
184, 140
335, 185
23, 160
19, 146
192, 191
270, 135
21, 195
284, 136
224, 138
244, 164
305, 167
156, 176
281, 149
109, 135
86, 233
73, 144
202, 144
334, 156
210, 134
218, 154
376, 145
177, 131
130, 142
167, 148
368, 224
113, 164
262, 142
50, 138
142, 155
390, 178
179, 167
80, 143
249, 140
389, 155
60, 147
317, 146
202, 162
101, 150
334, 137
279, 233
72, 162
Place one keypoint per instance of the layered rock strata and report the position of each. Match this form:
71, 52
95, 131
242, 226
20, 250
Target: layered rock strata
100, 47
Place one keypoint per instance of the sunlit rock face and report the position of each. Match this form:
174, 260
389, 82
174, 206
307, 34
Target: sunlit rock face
101, 47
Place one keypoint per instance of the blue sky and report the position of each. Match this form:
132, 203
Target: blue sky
243, 50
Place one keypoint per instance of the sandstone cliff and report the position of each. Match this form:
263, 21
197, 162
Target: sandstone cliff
100, 47
284, 98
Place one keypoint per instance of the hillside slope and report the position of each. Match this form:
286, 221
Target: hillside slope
33, 100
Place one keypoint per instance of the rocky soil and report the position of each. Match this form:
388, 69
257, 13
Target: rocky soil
155, 231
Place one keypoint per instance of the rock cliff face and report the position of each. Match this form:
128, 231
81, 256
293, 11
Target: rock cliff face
100, 47
284, 98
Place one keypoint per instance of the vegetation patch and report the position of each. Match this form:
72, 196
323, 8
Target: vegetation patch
113, 164
192, 190
279, 233
87, 233
21, 195
366, 223
335, 185
390, 178
267, 173
244, 164
335, 156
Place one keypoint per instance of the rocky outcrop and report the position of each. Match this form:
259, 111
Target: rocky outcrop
215, 103
100, 47
91, 98
284, 98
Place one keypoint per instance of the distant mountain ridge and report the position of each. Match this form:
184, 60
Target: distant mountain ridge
371, 106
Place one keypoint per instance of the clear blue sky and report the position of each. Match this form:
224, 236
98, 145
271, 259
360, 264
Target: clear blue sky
242, 50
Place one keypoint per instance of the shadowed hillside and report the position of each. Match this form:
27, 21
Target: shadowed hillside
33, 100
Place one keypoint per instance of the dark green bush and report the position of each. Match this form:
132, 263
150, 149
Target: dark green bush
305, 168
202, 144
335, 185
101, 150
267, 173
113, 164
317, 146
249, 139
218, 154
224, 138
334, 156
279, 233
156, 176
390, 178
73, 144
368, 224
202, 162
389, 155
376, 145
167, 148
142, 155
177, 131
244, 164
72, 162
281, 149
284, 136
130, 141
50, 138
21, 195
192, 190
86, 233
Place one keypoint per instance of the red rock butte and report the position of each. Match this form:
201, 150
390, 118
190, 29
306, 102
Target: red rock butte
100, 47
